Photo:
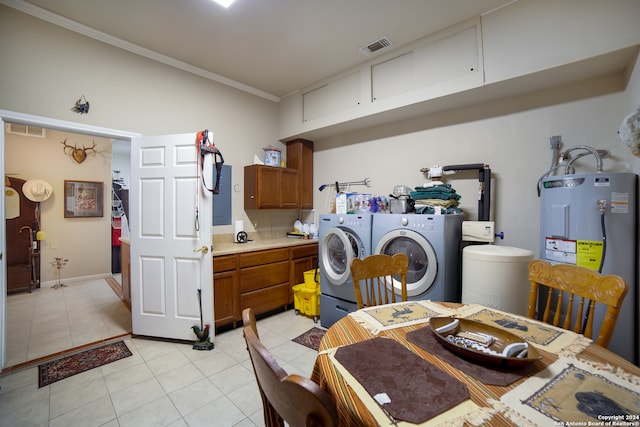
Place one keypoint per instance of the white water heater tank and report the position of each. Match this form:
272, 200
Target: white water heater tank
496, 277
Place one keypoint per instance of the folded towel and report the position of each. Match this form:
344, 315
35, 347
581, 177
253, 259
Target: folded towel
437, 202
441, 186
443, 191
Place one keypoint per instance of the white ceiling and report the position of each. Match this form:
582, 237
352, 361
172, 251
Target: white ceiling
273, 46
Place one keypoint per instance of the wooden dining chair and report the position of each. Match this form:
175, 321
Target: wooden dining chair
249, 319
576, 286
293, 399
374, 273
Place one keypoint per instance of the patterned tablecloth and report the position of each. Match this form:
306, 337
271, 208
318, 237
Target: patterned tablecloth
532, 400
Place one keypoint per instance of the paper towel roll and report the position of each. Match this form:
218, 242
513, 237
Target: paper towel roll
237, 227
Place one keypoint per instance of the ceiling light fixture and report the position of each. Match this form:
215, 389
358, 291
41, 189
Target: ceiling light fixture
224, 3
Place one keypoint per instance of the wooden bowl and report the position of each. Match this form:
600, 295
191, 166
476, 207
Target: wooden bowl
501, 339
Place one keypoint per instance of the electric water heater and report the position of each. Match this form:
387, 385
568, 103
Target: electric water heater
590, 219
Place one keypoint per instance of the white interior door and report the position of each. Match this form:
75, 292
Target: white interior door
170, 244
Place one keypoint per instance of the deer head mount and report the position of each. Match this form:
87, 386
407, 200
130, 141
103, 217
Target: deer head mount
78, 154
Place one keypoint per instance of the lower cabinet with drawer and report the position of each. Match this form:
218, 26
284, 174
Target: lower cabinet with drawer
266, 299
225, 290
263, 276
260, 279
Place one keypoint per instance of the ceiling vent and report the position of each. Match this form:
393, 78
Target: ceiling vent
376, 46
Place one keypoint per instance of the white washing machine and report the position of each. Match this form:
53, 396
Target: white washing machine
433, 245
341, 238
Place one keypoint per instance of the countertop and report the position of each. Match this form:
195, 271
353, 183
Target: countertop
228, 248
224, 248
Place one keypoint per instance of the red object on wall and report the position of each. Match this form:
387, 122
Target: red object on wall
115, 236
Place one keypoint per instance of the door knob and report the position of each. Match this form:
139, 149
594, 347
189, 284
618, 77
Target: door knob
204, 249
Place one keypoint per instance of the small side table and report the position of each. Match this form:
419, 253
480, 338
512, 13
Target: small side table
59, 263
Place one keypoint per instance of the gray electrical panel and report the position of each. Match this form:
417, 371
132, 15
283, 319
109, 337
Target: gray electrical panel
222, 200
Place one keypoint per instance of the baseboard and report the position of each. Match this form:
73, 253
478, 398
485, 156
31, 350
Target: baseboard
76, 279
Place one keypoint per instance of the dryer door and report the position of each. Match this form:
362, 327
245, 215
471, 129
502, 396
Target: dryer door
337, 249
423, 264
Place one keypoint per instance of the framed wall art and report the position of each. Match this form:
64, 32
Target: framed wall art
83, 199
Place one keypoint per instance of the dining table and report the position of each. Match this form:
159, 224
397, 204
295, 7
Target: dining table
385, 366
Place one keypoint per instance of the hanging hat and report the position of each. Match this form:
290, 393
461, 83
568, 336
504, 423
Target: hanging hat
37, 190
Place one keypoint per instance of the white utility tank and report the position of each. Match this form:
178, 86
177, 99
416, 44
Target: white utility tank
496, 277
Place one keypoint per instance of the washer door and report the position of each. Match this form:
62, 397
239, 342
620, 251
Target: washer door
423, 263
338, 248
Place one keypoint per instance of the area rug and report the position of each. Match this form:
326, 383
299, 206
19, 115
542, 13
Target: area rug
311, 338
66, 367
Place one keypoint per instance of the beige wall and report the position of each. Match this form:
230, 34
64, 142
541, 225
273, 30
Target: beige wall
511, 136
46, 68
85, 242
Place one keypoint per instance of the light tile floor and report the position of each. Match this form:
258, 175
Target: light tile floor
48, 321
162, 384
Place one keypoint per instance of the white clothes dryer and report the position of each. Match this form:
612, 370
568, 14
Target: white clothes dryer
341, 238
433, 245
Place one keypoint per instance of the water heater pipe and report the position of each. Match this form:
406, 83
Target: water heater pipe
484, 193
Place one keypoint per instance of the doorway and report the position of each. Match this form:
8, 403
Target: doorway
58, 125
120, 183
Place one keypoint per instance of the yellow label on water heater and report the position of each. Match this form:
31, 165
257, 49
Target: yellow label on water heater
589, 253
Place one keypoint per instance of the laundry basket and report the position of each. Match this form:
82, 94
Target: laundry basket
306, 296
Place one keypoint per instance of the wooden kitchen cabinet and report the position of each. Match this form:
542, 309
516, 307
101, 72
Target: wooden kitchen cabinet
269, 187
264, 280
289, 189
261, 279
300, 157
225, 290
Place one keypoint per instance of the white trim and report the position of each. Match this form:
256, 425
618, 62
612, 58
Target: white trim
69, 24
28, 119
68, 280
45, 122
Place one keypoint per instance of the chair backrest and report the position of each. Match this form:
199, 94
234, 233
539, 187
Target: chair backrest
375, 274
291, 398
572, 287
249, 319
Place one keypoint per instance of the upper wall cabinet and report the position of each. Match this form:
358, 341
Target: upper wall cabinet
300, 157
449, 58
338, 95
269, 187
524, 47
448, 62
